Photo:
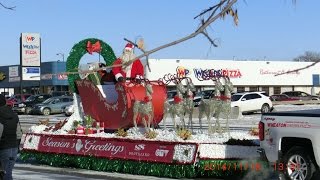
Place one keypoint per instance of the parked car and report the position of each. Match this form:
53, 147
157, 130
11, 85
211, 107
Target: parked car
17, 98
252, 102
301, 95
69, 110
283, 97
60, 93
26, 107
205, 94
52, 105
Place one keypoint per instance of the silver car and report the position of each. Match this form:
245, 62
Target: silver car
53, 105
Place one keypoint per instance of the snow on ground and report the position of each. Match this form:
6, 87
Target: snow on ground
239, 128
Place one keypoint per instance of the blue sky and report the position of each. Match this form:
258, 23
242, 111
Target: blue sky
270, 29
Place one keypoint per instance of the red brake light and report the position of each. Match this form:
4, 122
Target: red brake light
261, 131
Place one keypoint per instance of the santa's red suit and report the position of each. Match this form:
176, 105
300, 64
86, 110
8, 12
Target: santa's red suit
134, 70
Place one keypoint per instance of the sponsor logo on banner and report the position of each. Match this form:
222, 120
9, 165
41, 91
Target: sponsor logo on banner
161, 152
139, 147
108, 148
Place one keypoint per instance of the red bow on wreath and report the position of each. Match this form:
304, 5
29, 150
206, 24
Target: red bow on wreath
96, 47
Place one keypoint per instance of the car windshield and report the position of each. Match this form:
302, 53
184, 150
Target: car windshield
14, 97
235, 97
31, 98
48, 100
11, 98
171, 94
207, 93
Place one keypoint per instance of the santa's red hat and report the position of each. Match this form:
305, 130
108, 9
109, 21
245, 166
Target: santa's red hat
129, 46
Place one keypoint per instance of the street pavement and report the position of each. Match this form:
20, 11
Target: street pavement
40, 172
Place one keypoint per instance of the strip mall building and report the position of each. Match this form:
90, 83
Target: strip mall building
245, 75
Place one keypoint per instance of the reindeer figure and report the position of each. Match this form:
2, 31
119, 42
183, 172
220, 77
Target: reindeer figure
177, 108
209, 106
144, 108
226, 102
218, 105
188, 101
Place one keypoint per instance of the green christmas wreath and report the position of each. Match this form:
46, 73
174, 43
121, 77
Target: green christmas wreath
80, 49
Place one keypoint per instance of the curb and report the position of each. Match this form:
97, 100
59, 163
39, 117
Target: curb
83, 172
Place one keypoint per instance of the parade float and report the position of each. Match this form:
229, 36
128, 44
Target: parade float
118, 128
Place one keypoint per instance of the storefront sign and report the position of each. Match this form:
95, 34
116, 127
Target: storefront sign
14, 79
109, 148
62, 76
13, 71
182, 72
46, 76
30, 49
206, 74
276, 72
31, 73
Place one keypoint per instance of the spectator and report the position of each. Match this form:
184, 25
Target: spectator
8, 141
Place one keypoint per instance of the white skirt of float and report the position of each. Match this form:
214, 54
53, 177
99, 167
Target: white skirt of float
77, 114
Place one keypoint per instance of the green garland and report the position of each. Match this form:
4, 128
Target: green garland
76, 53
103, 164
204, 168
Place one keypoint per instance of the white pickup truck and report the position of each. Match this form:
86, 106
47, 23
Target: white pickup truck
290, 142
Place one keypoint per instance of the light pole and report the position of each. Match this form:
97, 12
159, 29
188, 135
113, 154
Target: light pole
61, 55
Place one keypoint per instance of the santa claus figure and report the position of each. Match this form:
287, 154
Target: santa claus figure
128, 72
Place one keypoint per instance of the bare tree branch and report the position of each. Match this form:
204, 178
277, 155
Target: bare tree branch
192, 35
209, 9
224, 5
211, 41
6, 7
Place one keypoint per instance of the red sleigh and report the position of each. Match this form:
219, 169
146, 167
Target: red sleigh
112, 104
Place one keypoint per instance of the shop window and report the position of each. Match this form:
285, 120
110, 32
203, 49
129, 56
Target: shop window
253, 89
265, 89
276, 90
240, 89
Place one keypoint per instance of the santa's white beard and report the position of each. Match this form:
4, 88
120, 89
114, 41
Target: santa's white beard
127, 56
